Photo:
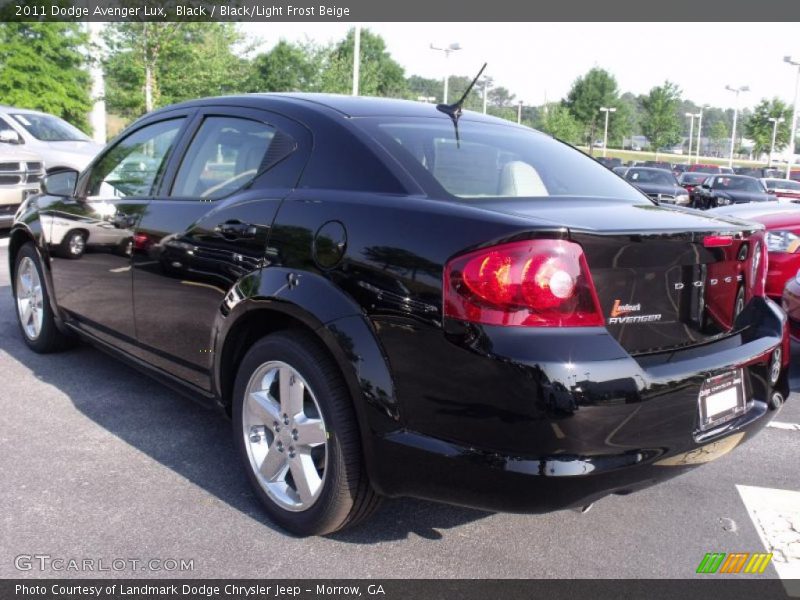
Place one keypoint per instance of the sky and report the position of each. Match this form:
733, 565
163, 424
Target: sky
539, 61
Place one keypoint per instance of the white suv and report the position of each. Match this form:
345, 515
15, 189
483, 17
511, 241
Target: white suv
20, 174
60, 144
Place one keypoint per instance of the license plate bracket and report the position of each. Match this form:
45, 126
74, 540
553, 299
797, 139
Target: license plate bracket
721, 399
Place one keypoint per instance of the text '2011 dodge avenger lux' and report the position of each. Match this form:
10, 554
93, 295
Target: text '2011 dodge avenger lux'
395, 299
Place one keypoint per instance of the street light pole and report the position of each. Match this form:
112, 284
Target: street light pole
485, 93
736, 91
794, 63
447, 50
691, 132
605, 109
519, 113
699, 132
775, 121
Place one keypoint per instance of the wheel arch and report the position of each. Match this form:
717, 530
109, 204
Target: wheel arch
320, 308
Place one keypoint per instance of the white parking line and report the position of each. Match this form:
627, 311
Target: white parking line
782, 425
776, 517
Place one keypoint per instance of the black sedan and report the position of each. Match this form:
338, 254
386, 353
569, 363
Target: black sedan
722, 190
392, 298
658, 184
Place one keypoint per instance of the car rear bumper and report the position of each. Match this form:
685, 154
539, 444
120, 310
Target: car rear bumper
540, 421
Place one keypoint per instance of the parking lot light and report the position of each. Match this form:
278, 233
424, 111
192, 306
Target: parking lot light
737, 91
606, 109
447, 51
699, 133
775, 121
691, 132
795, 63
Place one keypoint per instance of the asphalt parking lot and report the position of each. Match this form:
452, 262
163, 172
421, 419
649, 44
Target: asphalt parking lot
98, 461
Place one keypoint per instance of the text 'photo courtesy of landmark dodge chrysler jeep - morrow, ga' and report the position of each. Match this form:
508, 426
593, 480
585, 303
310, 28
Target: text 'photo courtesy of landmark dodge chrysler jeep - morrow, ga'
392, 298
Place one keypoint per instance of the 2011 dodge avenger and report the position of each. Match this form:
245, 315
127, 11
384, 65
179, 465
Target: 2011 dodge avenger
401, 299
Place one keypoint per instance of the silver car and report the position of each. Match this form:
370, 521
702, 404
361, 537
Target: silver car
20, 174
58, 143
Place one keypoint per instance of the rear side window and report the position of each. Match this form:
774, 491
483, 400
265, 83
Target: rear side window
226, 154
493, 160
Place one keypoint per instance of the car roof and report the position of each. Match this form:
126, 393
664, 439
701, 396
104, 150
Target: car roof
5, 108
347, 106
658, 169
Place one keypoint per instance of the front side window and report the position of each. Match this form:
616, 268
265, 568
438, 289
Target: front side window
494, 160
133, 166
48, 128
227, 153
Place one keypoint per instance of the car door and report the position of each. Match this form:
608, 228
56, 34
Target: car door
90, 234
207, 229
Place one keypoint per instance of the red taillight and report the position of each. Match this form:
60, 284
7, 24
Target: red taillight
543, 283
717, 241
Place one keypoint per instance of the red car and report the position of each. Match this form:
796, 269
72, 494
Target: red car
783, 239
690, 180
791, 304
701, 168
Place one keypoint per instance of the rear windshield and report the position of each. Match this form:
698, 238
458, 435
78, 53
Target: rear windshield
742, 184
656, 176
493, 160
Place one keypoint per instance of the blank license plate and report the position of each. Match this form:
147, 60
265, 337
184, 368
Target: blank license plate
721, 399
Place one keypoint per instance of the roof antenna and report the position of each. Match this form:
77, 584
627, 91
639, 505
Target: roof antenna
454, 110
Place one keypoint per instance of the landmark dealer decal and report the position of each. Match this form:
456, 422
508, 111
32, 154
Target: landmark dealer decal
621, 314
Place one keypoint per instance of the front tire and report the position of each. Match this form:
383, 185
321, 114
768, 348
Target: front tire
74, 244
296, 432
34, 313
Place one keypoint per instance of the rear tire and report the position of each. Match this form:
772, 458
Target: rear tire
34, 313
295, 431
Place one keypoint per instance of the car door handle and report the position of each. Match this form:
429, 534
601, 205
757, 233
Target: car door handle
236, 229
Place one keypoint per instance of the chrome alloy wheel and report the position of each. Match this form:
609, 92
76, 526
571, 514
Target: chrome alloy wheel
77, 244
30, 301
285, 436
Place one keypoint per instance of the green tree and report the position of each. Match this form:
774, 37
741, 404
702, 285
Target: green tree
759, 128
558, 121
286, 67
43, 67
718, 136
595, 89
661, 123
155, 64
379, 73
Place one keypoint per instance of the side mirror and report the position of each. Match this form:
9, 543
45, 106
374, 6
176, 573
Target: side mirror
9, 136
60, 183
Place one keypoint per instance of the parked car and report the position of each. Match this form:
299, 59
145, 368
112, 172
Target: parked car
658, 184
679, 168
609, 162
759, 172
701, 168
689, 180
794, 174
791, 304
57, 142
20, 174
785, 190
726, 170
392, 298
782, 223
620, 170
722, 190
657, 164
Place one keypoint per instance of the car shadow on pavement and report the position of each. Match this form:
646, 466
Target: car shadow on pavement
193, 441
